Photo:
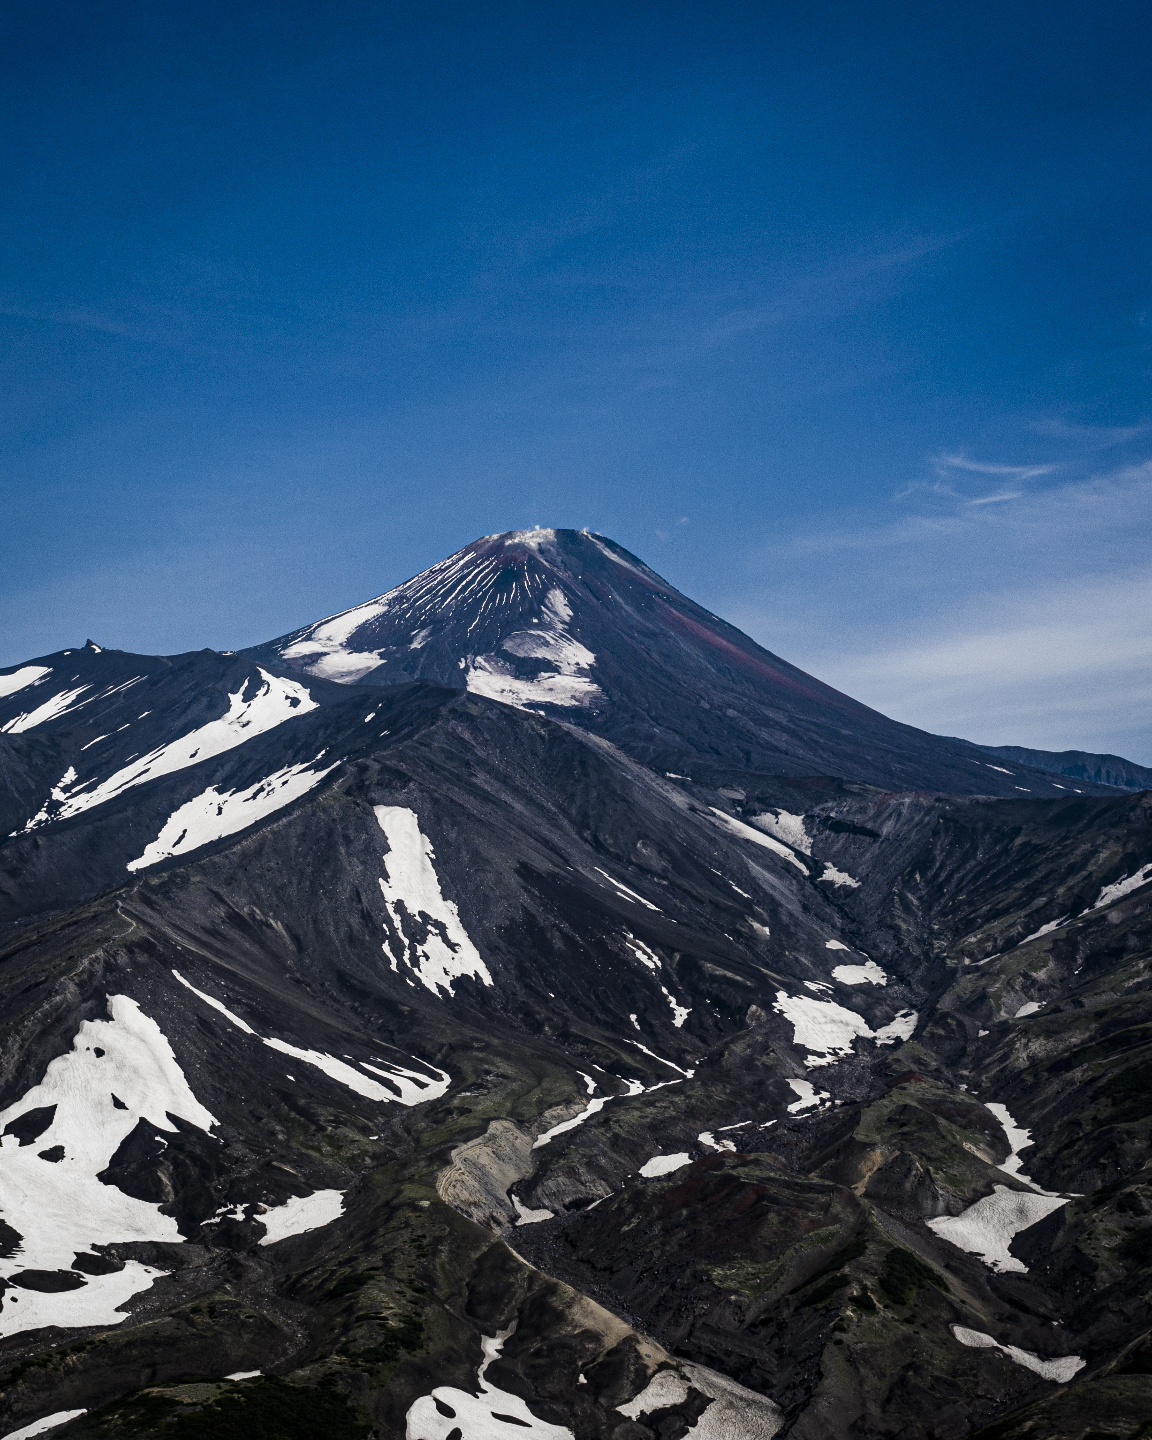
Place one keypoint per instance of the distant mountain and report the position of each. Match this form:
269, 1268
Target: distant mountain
523, 1005
1078, 765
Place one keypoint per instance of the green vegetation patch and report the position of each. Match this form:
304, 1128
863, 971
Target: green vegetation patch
408, 1336
904, 1273
844, 1256
266, 1409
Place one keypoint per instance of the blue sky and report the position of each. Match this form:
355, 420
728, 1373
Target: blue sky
837, 315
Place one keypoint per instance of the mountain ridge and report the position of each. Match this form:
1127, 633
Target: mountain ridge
457, 1067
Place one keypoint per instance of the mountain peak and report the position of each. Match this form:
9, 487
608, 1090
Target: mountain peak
570, 624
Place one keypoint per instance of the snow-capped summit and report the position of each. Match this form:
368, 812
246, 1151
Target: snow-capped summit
570, 624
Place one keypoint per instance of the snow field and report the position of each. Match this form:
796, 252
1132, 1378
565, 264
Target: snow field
211, 816
567, 683
838, 877
411, 888
334, 660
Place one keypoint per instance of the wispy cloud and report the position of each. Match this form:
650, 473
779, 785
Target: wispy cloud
1089, 437
1028, 624
945, 463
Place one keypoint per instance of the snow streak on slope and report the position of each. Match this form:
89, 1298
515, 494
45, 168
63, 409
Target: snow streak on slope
211, 816
47, 1422
746, 832
409, 1087
1060, 1370
52, 708
273, 702
26, 675
333, 660
119, 1072
651, 961
426, 931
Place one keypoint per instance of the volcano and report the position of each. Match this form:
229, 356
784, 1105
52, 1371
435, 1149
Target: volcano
523, 1003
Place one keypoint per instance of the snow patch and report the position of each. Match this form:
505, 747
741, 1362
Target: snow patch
838, 877
988, 1227
1060, 1370
1043, 930
867, 974
298, 1215
1123, 887
428, 934
448, 1411
746, 832
902, 1028
664, 1164
735, 1413
211, 816
822, 1027
524, 1216
786, 827
706, 1137
836, 945
61, 1209
1030, 1007
808, 1097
